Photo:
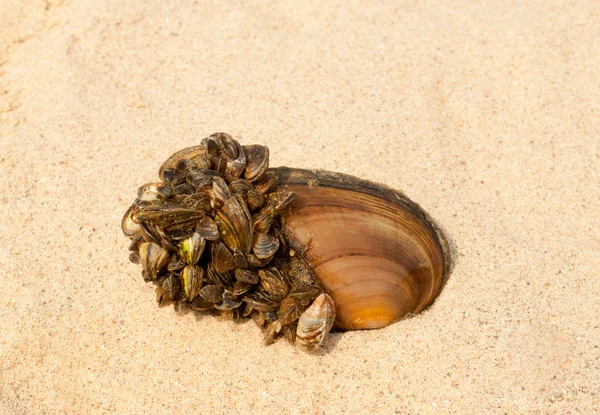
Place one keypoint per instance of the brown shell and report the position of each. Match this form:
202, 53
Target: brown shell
376, 252
192, 153
315, 323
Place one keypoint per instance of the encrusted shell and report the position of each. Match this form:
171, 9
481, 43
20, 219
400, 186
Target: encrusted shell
299, 251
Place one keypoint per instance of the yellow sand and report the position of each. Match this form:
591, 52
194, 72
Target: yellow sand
486, 113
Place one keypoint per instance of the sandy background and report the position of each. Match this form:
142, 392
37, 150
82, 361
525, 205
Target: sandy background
485, 113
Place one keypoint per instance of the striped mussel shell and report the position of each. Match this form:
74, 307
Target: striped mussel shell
314, 323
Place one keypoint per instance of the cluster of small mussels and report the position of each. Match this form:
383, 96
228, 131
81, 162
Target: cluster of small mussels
209, 235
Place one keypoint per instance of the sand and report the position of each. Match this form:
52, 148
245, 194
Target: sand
485, 113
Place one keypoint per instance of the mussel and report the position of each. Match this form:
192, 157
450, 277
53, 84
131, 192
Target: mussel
301, 252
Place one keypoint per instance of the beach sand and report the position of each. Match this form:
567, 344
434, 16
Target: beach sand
487, 114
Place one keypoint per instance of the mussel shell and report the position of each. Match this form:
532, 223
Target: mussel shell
220, 192
235, 166
229, 302
235, 224
247, 276
162, 297
273, 282
154, 258
265, 246
191, 278
212, 293
152, 191
257, 161
314, 323
191, 248
289, 310
222, 257
241, 287
207, 229
196, 153
255, 199
129, 226
266, 183
281, 199
262, 221
377, 253
240, 187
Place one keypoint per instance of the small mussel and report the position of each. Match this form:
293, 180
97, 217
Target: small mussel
300, 252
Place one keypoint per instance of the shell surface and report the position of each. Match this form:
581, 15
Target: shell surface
377, 253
